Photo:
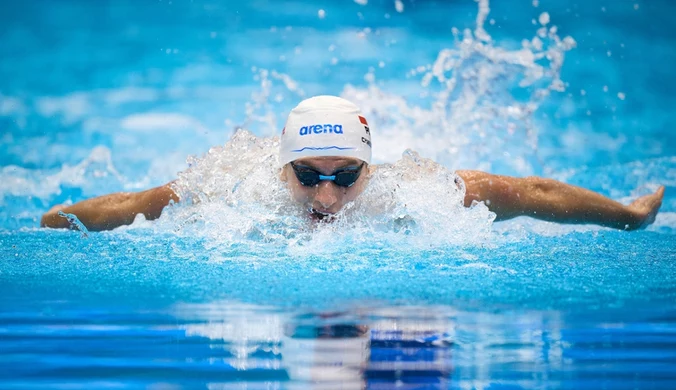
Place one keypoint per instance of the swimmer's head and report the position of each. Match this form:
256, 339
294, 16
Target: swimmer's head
325, 126
343, 179
325, 153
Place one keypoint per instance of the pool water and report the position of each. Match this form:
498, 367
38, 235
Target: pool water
233, 289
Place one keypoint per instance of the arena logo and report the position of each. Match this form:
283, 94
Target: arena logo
321, 129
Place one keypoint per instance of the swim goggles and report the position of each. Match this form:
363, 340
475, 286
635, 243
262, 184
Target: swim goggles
343, 177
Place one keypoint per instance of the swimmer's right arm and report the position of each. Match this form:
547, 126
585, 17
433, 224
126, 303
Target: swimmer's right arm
110, 211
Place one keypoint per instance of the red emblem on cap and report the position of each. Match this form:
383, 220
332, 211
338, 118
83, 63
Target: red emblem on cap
366, 125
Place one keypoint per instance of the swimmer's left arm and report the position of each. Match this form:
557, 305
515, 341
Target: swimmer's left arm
110, 211
555, 201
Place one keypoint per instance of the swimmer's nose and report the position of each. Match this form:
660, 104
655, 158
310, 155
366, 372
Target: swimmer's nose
326, 195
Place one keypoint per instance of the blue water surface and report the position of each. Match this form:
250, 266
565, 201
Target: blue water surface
102, 96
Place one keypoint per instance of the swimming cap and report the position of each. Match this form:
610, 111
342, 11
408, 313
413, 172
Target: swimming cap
325, 126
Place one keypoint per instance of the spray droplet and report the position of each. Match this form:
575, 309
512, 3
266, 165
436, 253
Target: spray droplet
399, 6
361, 2
544, 18
321, 13
536, 3
621, 95
605, 88
636, 6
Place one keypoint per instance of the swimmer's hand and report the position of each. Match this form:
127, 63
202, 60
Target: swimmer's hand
646, 207
110, 211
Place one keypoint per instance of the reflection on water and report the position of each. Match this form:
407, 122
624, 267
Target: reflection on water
378, 347
368, 347
225, 345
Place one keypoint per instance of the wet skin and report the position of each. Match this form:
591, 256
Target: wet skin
326, 198
507, 197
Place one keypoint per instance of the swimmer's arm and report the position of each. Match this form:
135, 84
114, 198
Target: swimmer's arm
110, 211
551, 200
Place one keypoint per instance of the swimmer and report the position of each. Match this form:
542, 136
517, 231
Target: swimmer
325, 160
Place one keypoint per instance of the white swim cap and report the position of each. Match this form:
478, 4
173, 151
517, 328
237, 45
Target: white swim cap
325, 126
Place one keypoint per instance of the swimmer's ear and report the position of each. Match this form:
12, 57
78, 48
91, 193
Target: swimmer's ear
371, 169
282, 174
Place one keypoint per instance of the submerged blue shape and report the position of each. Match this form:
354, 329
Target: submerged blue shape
75, 223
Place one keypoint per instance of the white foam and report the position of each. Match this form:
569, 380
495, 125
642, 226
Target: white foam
472, 106
471, 121
92, 175
234, 194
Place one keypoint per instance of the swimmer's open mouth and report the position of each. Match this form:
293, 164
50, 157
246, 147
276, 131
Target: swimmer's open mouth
318, 215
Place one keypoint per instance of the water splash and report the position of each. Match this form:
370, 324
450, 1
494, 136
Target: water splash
234, 194
75, 223
89, 175
474, 119
475, 110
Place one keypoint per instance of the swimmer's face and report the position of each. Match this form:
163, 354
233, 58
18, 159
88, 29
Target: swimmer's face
326, 197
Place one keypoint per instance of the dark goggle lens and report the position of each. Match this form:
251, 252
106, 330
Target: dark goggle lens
311, 178
307, 178
346, 178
